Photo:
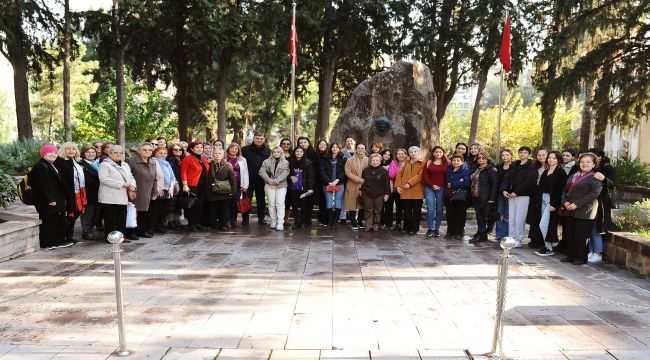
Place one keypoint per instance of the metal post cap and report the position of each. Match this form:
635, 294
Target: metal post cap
115, 237
508, 243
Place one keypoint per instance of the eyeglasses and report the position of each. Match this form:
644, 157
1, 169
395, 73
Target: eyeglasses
177, 149
146, 149
481, 158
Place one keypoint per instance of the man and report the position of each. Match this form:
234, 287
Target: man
255, 154
349, 150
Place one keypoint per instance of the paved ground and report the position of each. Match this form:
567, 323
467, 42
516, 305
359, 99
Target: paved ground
320, 294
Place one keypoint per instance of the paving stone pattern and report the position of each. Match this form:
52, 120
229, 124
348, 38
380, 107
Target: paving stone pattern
321, 294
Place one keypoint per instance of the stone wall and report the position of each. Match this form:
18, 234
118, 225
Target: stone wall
629, 251
18, 236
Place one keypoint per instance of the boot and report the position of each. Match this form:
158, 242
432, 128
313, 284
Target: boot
297, 224
335, 216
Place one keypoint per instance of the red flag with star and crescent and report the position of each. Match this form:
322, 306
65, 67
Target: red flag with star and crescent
505, 57
293, 43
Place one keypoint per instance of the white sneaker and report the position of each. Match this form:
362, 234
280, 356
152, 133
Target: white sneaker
517, 243
280, 227
595, 258
273, 225
589, 256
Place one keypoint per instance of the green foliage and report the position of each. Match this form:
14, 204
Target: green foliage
635, 217
7, 120
520, 125
18, 156
632, 172
148, 113
7, 189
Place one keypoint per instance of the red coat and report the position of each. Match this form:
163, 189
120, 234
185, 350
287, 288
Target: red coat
191, 169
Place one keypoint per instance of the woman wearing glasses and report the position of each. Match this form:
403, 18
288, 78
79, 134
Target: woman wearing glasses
114, 179
144, 171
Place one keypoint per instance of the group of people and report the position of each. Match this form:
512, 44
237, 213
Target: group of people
379, 189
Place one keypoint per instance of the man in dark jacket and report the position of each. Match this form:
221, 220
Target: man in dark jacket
255, 154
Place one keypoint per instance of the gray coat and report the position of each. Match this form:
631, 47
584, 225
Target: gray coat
585, 195
145, 176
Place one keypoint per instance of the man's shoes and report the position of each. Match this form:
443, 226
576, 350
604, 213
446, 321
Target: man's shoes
436, 233
429, 233
544, 252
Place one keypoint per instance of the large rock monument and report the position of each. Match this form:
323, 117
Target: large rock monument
396, 107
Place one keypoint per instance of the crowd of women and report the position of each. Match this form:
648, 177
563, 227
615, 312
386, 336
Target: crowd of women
379, 189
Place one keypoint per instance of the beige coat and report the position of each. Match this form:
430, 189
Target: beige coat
353, 168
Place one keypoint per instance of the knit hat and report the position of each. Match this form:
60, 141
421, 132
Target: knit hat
48, 148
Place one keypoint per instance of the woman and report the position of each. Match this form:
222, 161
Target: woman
195, 168
353, 168
207, 151
520, 182
50, 197
393, 169
376, 147
115, 179
580, 198
374, 191
143, 167
90, 167
274, 172
166, 188
473, 153
433, 178
174, 156
551, 184
606, 173
458, 183
285, 144
534, 214
240, 168
411, 191
104, 151
387, 212
503, 170
218, 145
72, 174
323, 214
461, 149
483, 189
301, 187
219, 199
332, 174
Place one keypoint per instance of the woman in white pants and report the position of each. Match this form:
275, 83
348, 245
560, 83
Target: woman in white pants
521, 182
274, 172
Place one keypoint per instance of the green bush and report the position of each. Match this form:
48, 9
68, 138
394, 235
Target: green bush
7, 189
18, 156
635, 217
632, 172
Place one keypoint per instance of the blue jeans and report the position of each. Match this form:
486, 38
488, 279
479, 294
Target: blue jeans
502, 223
435, 201
596, 240
334, 200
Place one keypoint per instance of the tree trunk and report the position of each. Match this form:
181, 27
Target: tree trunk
18, 59
473, 129
225, 63
325, 83
120, 131
548, 112
180, 72
67, 122
587, 117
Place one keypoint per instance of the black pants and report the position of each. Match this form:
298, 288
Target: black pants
323, 215
387, 211
219, 213
52, 228
69, 228
194, 215
158, 213
578, 230
258, 191
399, 209
114, 218
301, 208
412, 212
456, 217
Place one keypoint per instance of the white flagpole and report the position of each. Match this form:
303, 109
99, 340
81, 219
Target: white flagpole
293, 78
498, 147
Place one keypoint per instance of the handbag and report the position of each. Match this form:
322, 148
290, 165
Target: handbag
132, 194
459, 195
562, 212
220, 187
244, 205
332, 188
187, 200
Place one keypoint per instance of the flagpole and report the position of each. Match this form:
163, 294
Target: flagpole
293, 81
503, 70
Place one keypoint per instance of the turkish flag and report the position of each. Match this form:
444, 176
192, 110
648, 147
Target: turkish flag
293, 43
504, 57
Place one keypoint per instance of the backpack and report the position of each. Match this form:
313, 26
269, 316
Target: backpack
25, 191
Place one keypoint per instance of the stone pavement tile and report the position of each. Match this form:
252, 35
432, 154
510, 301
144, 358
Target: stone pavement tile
6, 348
310, 331
608, 336
345, 355
354, 341
86, 352
630, 354
143, 353
33, 352
295, 355
563, 333
190, 354
621, 318
263, 341
395, 354
443, 354
539, 354
599, 354
244, 354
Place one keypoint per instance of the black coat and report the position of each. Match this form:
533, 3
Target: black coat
308, 176
223, 173
48, 187
66, 172
488, 186
92, 182
326, 170
255, 156
521, 179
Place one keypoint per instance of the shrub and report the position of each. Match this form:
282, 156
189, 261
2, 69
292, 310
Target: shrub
18, 156
632, 172
635, 217
7, 189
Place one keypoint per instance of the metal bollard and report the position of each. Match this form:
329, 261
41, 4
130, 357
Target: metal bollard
506, 245
116, 238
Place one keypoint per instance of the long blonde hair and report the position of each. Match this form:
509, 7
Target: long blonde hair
69, 145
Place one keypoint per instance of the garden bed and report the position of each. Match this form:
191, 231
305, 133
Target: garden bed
631, 194
629, 251
18, 235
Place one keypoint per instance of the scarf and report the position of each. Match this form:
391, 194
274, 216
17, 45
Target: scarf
79, 187
93, 164
168, 173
